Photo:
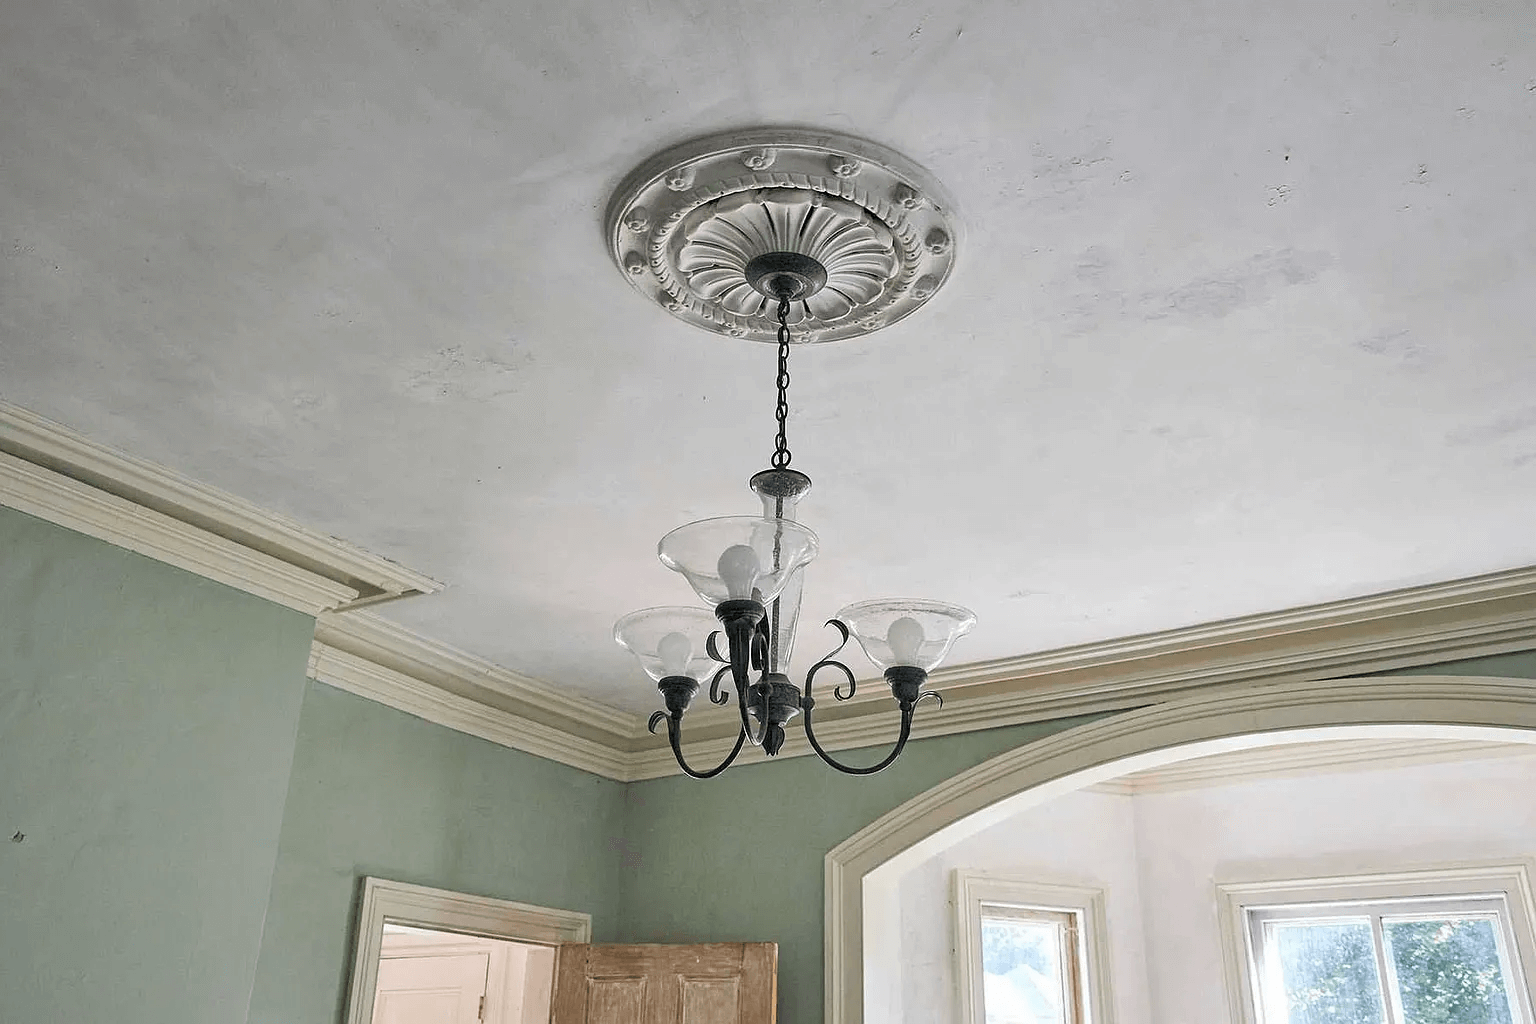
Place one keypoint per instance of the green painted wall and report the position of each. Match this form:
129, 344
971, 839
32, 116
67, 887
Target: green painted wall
147, 723
377, 792
740, 858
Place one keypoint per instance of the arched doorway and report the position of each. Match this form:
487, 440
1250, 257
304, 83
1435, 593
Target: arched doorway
858, 903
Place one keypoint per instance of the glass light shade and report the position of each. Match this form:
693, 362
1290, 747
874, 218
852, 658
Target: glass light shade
783, 618
906, 631
669, 641
727, 558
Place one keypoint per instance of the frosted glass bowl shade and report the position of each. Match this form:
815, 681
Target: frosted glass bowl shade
727, 558
652, 636
907, 631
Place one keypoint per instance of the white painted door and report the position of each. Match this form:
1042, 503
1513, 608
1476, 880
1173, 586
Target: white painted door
431, 989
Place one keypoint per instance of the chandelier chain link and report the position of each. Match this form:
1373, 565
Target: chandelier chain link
781, 454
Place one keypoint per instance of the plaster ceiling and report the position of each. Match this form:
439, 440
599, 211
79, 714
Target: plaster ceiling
1243, 319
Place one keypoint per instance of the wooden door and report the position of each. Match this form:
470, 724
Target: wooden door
718, 983
431, 989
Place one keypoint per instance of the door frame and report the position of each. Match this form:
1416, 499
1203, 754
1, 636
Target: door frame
859, 892
443, 910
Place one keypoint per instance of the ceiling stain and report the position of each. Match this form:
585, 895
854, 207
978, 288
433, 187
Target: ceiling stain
1495, 429
1242, 285
1394, 344
451, 373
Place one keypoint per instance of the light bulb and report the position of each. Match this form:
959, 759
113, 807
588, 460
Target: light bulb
738, 568
905, 636
674, 650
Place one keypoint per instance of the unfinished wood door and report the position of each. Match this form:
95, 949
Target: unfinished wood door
718, 983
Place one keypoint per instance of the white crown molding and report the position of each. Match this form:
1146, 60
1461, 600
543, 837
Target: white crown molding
1301, 759
435, 704
69, 503
200, 509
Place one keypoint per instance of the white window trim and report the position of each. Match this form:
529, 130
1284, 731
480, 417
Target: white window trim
974, 888
1509, 879
423, 907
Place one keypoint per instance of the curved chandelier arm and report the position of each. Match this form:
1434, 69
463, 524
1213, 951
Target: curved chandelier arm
830, 661
901, 742
674, 738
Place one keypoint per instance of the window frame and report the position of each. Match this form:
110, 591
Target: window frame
1470, 889
1087, 970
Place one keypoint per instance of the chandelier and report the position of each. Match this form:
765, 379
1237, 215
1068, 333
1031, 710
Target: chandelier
747, 234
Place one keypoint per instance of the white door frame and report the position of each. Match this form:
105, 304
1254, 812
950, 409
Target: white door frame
442, 910
858, 898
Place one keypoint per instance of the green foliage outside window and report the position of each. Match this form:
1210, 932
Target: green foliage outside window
1447, 971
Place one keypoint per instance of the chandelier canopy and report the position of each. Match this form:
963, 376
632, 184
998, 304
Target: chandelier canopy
742, 234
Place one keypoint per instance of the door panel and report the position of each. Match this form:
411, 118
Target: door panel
716, 983
708, 1000
430, 989
616, 998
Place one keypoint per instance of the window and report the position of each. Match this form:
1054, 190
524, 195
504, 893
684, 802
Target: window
1029, 965
1416, 948
1029, 952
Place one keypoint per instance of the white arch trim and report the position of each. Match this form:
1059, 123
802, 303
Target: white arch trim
1443, 707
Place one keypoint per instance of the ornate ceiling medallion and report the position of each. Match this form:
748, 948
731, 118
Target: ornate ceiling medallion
700, 228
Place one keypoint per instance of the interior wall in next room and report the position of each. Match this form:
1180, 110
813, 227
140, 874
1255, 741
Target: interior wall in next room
1480, 809
1159, 850
1085, 838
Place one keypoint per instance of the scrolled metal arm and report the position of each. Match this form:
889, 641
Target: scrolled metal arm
830, 661
715, 695
674, 738
901, 742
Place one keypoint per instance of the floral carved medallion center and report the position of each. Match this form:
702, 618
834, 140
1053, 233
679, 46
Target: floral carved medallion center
686, 225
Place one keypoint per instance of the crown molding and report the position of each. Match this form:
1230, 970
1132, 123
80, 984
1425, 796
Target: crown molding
436, 704
69, 503
407, 653
185, 506
1302, 759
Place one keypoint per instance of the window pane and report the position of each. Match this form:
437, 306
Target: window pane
1021, 971
1448, 971
1327, 971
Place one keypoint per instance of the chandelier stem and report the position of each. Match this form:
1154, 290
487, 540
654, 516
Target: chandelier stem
781, 455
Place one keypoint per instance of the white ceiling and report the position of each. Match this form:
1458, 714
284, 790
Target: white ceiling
1243, 320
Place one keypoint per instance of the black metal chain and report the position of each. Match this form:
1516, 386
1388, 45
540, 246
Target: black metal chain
781, 455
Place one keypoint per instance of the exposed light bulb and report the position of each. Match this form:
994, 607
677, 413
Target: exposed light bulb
674, 650
738, 568
905, 636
